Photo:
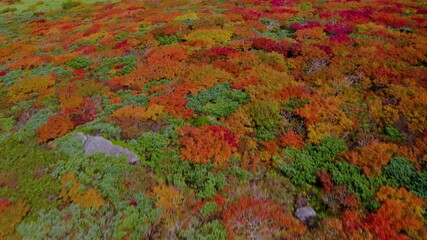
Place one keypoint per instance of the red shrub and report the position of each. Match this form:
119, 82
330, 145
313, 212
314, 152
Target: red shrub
56, 126
291, 139
207, 143
261, 219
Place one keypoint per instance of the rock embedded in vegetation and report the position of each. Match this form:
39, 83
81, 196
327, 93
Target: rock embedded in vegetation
97, 144
305, 214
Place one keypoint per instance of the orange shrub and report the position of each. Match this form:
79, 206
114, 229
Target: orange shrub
263, 219
88, 199
207, 143
372, 158
56, 126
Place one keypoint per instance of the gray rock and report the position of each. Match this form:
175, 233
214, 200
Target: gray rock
97, 144
305, 214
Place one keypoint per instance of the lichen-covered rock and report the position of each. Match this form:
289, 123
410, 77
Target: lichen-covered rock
96, 144
305, 214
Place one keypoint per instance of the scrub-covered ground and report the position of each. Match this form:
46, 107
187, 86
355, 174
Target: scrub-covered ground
244, 114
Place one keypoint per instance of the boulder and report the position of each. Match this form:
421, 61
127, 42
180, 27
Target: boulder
97, 144
305, 214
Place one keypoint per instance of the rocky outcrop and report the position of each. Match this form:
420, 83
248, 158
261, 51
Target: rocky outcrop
305, 214
97, 144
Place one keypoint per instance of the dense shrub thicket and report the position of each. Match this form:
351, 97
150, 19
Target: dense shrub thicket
240, 112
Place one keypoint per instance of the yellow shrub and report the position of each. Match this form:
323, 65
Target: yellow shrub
211, 35
88, 199
186, 16
27, 87
168, 197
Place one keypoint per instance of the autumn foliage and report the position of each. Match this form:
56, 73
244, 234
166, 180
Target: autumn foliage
240, 112
71, 192
259, 218
207, 144
56, 126
372, 157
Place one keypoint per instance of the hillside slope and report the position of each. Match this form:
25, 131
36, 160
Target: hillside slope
209, 119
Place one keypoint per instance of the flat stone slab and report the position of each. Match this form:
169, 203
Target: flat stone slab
97, 144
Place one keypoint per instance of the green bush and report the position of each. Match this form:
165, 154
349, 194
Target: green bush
152, 147
187, 175
11, 78
79, 63
30, 127
70, 4
103, 71
265, 114
30, 166
97, 170
209, 209
329, 148
99, 127
134, 100
404, 174
218, 101
208, 231
106, 222
129, 63
166, 39
6, 126
393, 134
344, 173
302, 165
69, 144
299, 166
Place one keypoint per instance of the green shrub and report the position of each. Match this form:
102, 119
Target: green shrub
404, 174
103, 71
30, 166
8, 9
152, 147
266, 134
329, 148
69, 144
218, 101
166, 39
344, 173
134, 100
46, 70
194, 176
70, 4
241, 174
137, 220
202, 121
106, 222
393, 134
79, 63
265, 114
208, 231
30, 127
209, 209
302, 165
129, 63
6, 126
97, 170
99, 127
11, 78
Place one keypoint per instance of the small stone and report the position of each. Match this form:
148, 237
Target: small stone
305, 214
